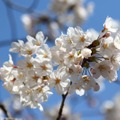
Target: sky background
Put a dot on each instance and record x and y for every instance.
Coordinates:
(103, 8)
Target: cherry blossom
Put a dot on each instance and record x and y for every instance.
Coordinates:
(74, 64)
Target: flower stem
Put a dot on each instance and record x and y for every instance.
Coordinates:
(62, 106)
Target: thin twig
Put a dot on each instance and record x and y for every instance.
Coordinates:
(62, 106)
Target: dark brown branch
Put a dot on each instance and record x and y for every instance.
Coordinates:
(2, 107)
(62, 106)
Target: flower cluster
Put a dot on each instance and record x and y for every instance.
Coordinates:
(30, 76)
(61, 14)
(72, 11)
(74, 64)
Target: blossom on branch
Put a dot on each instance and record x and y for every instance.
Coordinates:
(74, 64)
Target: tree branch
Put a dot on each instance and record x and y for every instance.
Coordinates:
(11, 19)
(62, 106)
(2, 107)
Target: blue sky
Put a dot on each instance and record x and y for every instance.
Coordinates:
(103, 8)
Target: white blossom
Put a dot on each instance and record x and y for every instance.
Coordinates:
(17, 46)
(39, 41)
(111, 25)
(115, 60)
(116, 42)
(107, 47)
(106, 69)
(86, 52)
(60, 81)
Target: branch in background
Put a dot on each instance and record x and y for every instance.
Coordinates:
(22, 8)
(11, 19)
(33, 5)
